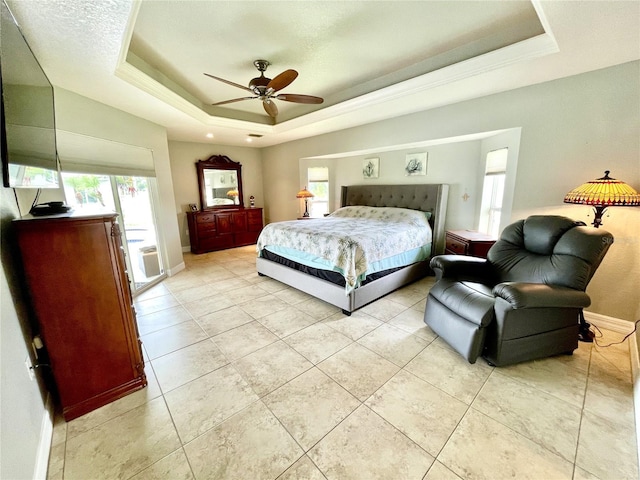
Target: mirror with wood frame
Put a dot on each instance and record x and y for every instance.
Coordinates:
(220, 183)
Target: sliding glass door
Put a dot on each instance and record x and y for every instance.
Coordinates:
(133, 199)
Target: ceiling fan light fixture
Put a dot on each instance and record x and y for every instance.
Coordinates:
(265, 89)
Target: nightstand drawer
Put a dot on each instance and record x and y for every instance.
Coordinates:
(468, 242)
(455, 246)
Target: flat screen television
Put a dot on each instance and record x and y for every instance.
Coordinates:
(29, 155)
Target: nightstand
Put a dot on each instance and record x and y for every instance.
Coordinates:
(468, 242)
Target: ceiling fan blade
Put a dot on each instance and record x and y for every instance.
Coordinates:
(282, 80)
(292, 97)
(234, 100)
(228, 82)
(270, 107)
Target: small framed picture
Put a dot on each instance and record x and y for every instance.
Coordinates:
(415, 164)
(370, 168)
(193, 207)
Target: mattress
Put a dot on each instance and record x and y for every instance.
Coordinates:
(354, 241)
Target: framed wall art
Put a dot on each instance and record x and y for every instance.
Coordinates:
(415, 164)
(370, 167)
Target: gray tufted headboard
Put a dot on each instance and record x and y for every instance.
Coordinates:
(426, 197)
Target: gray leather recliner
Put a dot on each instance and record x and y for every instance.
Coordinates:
(522, 302)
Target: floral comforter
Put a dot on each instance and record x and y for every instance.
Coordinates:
(352, 238)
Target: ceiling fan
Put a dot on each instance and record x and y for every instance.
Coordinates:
(265, 89)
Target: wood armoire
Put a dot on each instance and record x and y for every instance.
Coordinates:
(78, 286)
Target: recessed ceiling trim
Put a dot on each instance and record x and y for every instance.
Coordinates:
(135, 77)
(527, 49)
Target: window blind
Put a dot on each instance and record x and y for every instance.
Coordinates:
(85, 154)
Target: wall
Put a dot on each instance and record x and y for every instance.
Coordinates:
(458, 164)
(21, 400)
(184, 156)
(572, 130)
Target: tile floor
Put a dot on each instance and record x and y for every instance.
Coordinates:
(250, 379)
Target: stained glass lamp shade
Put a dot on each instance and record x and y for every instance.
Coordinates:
(306, 194)
(602, 193)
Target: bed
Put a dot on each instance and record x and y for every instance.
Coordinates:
(346, 285)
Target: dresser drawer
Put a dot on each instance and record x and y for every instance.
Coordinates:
(205, 218)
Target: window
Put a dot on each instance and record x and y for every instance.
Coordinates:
(318, 185)
(493, 191)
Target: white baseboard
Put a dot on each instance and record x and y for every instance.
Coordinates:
(609, 323)
(178, 268)
(44, 446)
(186, 249)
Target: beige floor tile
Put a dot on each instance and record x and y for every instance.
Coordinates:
(243, 294)
(310, 406)
(552, 376)
(412, 321)
(396, 345)
(292, 296)
(207, 401)
(410, 295)
(272, 286)
(353, 326)
(155, 304)
(317, 308)
(287, 321)
(124, 445)
(364, 446)
(384, 309)
(244, 340)
(114, 409)
(207, 305)
(157, 290)
(263, 306)
(164, 318)
(581, 474)
(55, 468)
(609, 392)
(303, 469)
(251, 445)
(549, 421)
(317, 342)
(174, 466)
(59, 434)
(224, 320)
(359, 370)
(482, 448)
(188, 363)
(185, 279)
(193, 294)
(271, 366)
(422, 412)
(172, 338)
(439, 472)
(451, 373)
(607, 449)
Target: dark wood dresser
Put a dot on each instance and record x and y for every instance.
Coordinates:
(219, 229)
(78, 287)
(468, 242)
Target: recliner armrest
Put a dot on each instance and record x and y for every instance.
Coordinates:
(540, 295)
(460, 266)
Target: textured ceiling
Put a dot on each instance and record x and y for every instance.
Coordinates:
(370, 60)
